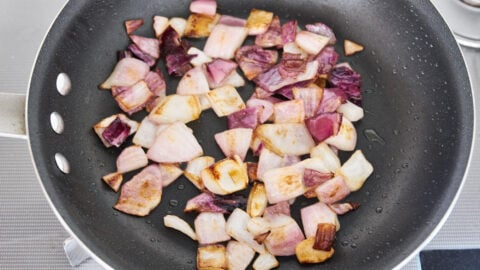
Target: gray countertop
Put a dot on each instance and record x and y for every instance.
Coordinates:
(30, 235)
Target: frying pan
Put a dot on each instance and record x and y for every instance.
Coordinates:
(417, 100)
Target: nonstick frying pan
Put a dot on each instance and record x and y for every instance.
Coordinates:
(417, 100)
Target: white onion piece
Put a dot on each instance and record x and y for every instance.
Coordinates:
(211, 257)
(226, 176)
(234, 79)
(258, 225)
(200, 58)
(180, 225)
(329, 158)
(313, 215)
(293, 48)
(237, 228)
(257, 200)
(225, 100)
(175, 144)
(234, 142)
(194, 82)
(127, 72)
(284, 183)
(205, 7)
(346, 138)
(239, 255)
(332, 190)
(224, 40)
(131, 158)
(178, 24)
(175, 108)
(286, 139)
(145, 135)
(310, 42)
(160, 23)
(291, 111)
(265, 261)
(258, 21)
(204, 102)
(170, 173)
(356, 170)
(210, 228)
(351, 111)
(194, 169)
(282, 240)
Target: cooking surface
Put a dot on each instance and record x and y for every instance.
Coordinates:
(32, 237)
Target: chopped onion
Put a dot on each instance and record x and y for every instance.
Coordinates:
(356, 170)
(205, 7)
(313, 215)
(286, 139)
(239, 255)
(225, 100)
(259, 21)
(211, 257)
(210, 228)
(131, 158)
(226, 176)
(113, 180)
(194, 82)
(170, 173)
(265, 261)
(176, 108)
(234, 142)
(194, 169)
(174, 222)
(311, 42)
(224, 40)
(132, 25)
(127, 72)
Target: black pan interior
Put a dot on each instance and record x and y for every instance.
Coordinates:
(417, 98)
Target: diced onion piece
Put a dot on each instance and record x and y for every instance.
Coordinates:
(113, 180)
(234, 142)
(237, 228)
(272, 37)
(226, 176)
(134, 98)
(293, 48)
(282, 240)
(265, 108)
(310, 42)
(150, 46)
(210, 228)
(101, 126)
(178, 24)
(131, 158)
(145, 135)
(160, 23)
(351, 111)
(313, 215)
(258, 21)
(194, 169)
(311, 97)
(343, 208)
(286, 139)
(224, 40)
(225, 100)
(332, 190)
(127, 72)
(180, 225)
(206, 7)
(312, 164)
(234, 79)
(351, 48)
(265, 261)
(194, 82)
(324, 237)
(142, 193)
(218, 70)
(291, 111)
(269, 160)
(307, 254)
(199, 25)
(170, 173)
(356, 170)
(346, 138)
(211, 257)
(283, 183)
(258, 225)
(132, 25)
(200, 58)
(272, 81)
(279, 209)
(175, 144)
(175, 108)
(329, 158)
(239, 255)
(204, 102)
(257, 200)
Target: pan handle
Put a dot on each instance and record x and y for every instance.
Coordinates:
(12, 115)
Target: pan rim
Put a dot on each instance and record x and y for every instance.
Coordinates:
(407, 259)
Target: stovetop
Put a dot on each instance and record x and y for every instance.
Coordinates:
(30, 235)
